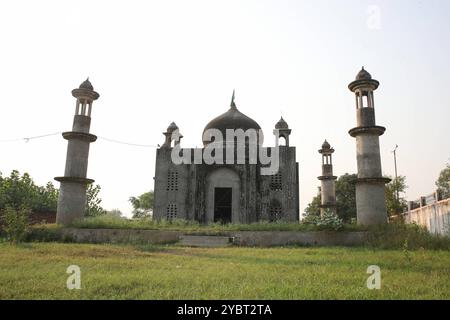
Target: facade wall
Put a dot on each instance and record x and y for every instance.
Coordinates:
(287, 196)
(171, 187)
(254, 198)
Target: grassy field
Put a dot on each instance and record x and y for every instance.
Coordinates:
(38, 271)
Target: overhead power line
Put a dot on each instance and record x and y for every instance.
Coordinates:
(26, 139)
(128, 143)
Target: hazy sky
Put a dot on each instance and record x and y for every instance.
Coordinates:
(154, 62)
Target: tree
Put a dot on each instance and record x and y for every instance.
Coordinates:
(394, 205)
(19, 191)
(443, 182)
(142, 205)
(346, 196)
(93, 201)
(313, 208)
(48, 196)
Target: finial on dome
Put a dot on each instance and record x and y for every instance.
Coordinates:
(232, 105)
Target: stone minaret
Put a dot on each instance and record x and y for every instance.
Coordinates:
(370, 190)
(328, 189)
(72, 193)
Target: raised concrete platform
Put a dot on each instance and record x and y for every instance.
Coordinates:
(238, 238)
(205, 241)
(119, 235)
(307, 238)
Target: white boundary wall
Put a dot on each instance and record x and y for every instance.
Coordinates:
(435, 217)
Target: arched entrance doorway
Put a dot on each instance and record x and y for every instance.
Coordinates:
(222, 196)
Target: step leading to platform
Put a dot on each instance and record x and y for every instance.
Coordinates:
(205, 241)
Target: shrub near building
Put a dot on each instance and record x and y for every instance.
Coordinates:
(20, 193)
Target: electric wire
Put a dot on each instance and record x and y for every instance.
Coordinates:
(27, 139)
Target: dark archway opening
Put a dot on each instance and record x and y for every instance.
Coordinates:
(222, 205)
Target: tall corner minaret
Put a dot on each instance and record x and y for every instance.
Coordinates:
(370, 185)
(327, 179)
(72, 192)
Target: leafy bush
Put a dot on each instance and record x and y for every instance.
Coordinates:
(329, 220)
(311, 220)
(15, 223)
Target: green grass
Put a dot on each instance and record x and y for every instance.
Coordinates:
(38, 271)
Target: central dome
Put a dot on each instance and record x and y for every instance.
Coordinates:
(232, 119)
